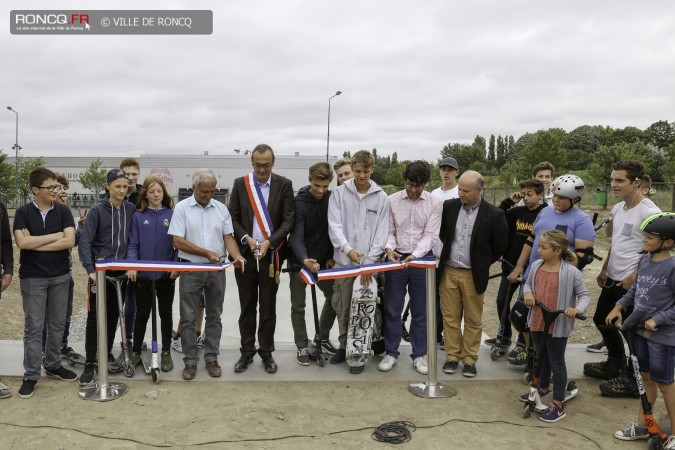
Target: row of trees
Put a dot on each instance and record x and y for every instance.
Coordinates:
(588, 151)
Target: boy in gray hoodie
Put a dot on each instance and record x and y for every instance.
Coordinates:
(358, 223)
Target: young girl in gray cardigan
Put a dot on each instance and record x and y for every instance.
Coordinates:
(556, 283)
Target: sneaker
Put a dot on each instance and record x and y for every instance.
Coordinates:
(469, 370)
(450, 367)
(632, 432)
(515, 351)
(387, 363)
(88, 373)
(200, 341)
(176, 345)
(135, 359)
(600, 347)
(339, 356)
(517, 356)
(554, 413)
(603, 370)
(27, 388)
(328, 346)
(506, 342)
(526, 396)
(303, 356)
(4, 391)
(420, 365)
(622, 386)
(68, 352)
(670, 443)
(62, 374)
(166, 363)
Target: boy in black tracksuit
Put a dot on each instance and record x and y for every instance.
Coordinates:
(521, 221)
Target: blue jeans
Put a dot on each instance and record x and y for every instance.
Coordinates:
(656, 359)
(555, 361)
(395, 284)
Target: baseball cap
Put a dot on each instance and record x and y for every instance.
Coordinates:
(114, 174)
(449, 161)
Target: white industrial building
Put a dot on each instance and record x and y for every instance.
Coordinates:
(176, 170)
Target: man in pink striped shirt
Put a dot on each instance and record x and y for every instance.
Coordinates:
(414, 224)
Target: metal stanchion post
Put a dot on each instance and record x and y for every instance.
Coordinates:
(102, 391)
(432, 388)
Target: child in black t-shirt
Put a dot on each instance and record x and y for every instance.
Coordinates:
(520, 220)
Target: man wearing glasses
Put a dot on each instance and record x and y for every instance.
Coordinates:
(263, 213)
(414, 223)
(44, 231)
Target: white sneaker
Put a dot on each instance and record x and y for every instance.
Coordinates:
(420, 365)
(387, 363)
(670, 443)
(177, 345)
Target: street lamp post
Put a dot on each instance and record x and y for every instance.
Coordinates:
(328, 137)
(16, 158)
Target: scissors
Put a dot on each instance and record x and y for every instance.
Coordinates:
(256, 254)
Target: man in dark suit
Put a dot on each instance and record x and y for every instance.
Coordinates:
(263, 211)
(473, 233)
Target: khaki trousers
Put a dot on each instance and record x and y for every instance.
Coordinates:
(459, 298)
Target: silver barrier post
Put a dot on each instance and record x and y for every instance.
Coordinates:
(102, 391)
(432, 388)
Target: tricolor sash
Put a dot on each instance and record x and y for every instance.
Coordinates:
(262, 217)
(307, 276)
(355, 271)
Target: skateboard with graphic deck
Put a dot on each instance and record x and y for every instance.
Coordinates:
(361, 321)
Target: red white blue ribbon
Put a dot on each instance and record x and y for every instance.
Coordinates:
(307, 276)
(355, 271)
(160, 266)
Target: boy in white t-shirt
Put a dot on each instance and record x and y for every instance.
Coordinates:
(618, 272)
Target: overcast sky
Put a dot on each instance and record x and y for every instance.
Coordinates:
(414, 76)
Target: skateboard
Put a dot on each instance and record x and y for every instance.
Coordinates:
(361, 320)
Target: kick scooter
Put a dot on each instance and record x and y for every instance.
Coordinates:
(151, 360)
(123, 363)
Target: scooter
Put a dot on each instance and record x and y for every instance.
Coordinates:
(499, 348)
(534, 402)
(149, 359)
(123, 362)
(656, 435)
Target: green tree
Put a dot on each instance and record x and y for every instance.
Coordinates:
(581, 144)
(7, 188)
(627, 135)
(501, 152)
(510, 148)
(661, 134)
(546, 145)
(492, 153)
(654, 159)
(26, 166)
(346, 154)
(94, 177)
(465, 154)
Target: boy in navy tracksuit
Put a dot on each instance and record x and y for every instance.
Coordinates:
(521, 221)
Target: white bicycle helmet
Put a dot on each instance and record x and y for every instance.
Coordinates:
(570, 186)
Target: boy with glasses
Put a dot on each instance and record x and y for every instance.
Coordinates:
(44, 231)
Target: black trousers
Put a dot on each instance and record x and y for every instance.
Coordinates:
(257, 288)
(164, 290)
(612, 336)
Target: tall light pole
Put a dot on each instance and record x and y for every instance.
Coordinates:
(328, 137)
(16, 153)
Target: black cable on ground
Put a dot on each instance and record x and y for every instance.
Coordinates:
(390, 432)
(394, 432)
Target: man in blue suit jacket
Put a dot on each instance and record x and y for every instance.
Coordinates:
(473, 233)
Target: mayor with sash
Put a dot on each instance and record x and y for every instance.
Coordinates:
(263, 212)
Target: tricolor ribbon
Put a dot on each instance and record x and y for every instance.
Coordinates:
(355, 271)
(161, 266)
(307, 276)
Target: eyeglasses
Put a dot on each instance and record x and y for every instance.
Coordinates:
(417, 187)
(262, 166)
(52, 188)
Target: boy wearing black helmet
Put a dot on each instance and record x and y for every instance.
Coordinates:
(652, 321)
